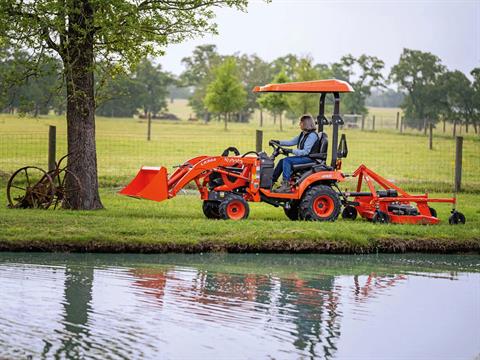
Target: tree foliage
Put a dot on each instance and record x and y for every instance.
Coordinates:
(226, 93)
(417, 73)
(305, 103)
(83, 33)
(276, 103)
(363, 73)
(198, 73)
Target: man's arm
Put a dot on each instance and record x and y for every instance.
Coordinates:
(307, 147)
(292, 142)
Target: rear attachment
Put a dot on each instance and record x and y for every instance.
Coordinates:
(391, 203)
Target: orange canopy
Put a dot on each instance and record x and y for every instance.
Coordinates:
(315, 86)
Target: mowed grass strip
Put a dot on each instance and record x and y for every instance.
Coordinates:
(131, 225)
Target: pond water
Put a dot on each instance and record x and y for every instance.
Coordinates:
(239, 306)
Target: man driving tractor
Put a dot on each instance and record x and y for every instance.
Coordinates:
(308, 142)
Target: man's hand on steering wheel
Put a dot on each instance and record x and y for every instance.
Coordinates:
(287, 151)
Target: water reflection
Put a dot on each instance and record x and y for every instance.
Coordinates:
(77, 307)
(252, 307)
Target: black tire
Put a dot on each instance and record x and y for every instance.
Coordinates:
(380, 217)
(456, 218)
(349, 212)
(233, 207)
(433, 212)
(211, 209)
(292, 212)
(319, 203)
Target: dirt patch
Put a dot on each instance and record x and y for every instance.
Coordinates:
(437, 246)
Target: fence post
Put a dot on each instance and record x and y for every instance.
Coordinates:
(373, 123)
(458, 162)
(398, 119)
(52, 147)
(258, 140)
(363, 122)
(261, 117)
(401, 124)
(149, 126)
(430, 136)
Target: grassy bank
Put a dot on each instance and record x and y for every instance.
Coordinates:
(129, 225)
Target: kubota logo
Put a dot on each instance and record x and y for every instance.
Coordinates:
(207, 161)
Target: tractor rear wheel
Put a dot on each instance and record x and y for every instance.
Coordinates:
(211, 209)
(292, 211)
(319, 203)
(233, 207)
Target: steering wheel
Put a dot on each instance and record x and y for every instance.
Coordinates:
(277, 149)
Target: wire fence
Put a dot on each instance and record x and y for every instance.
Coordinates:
(403, 158)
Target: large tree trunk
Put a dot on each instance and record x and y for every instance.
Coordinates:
(78, 63)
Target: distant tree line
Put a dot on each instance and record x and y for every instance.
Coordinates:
(141, 91)
(220, 87)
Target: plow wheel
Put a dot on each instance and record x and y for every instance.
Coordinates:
(292, 211)
(30, 187)
(320, 203)
(234, 207)
(456, 218)
(380, 217)
(66, 183)
(349, 212)
(211, 209)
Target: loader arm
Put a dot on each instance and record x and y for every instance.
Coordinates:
(155, 184)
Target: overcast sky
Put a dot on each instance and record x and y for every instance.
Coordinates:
(326, 30)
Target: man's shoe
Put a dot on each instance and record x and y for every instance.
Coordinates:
(284, 188)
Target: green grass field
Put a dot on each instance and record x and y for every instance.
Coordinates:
(135, 225)
(123, 149)
(179, 224)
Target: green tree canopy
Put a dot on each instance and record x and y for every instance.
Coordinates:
(83, 33)
(198, 73)
(276, 103)
(305, 103)
(364, 74)
(226, 93)
(458, 94)
(153, 83)
(417, 73)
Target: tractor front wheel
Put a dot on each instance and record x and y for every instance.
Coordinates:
(234, 207)
(320, 203)
(211, 209)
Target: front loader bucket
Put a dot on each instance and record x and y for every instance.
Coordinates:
(150, 183)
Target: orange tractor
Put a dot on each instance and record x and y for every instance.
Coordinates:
(228, 183)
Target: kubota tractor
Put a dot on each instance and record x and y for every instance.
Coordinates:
(228, 183)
